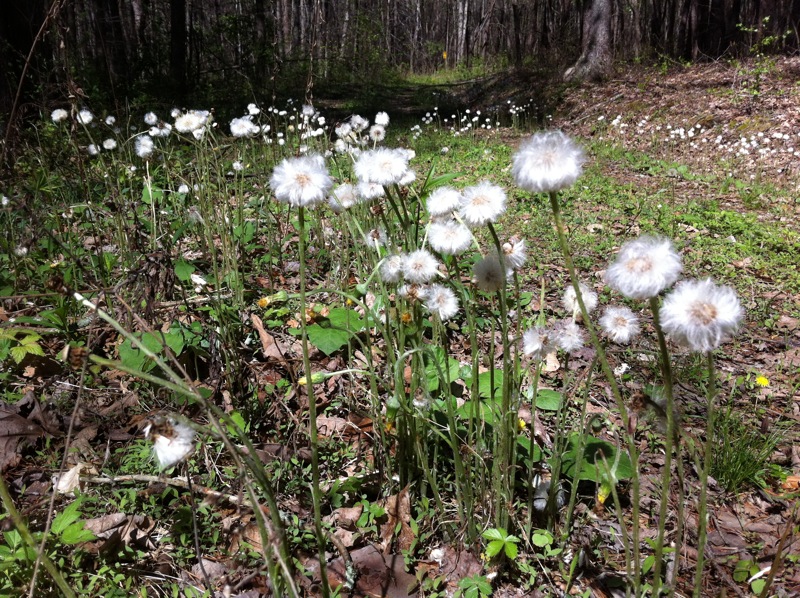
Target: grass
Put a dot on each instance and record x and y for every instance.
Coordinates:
(406, 398)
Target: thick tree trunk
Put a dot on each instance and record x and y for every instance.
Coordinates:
(595, 61)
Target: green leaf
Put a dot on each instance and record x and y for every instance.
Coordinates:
(548, 400)
(66, 517)
(327, 340)
(75, 534)
(495, 534)
(494, 548)
(184, 270)
(135, 358)
(542, 538)
(758, 586)
(593, 468)
(151, 194)
(511, 549)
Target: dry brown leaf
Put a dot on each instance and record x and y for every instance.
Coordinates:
(339, 427)
(16, 431)
(70, 480)
(269, 345)
(379, 576)
(398, 512)
(116, 530)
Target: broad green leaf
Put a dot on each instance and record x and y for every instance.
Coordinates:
(66, 517)
(134, 358)
(495, 534)
(542, 538)
(184, 270)
(593, 467)
(328, 340)
(494, 548)
(151, 194)
(74, 534)
(548, 400)
(511, 549)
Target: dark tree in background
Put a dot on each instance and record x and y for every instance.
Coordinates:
(595, 60)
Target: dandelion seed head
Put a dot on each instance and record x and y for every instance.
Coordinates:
(85, 117)
(620, 324)
(449, 238)
(381, 166)
(382, 119)
(515, 253)
(58, 115)
(377, 133)
(302, 181)
(150, 118)
(420, 267)
(144, 146)
(547, 161)
(700, 314)
(391, 269)
(172, 441)
(644, 267)
(537, 342)
(482, 203)
(568, 336)
(489, 273)
(109, 144)
(244, 127)
(443, 201)
(441, 301)
(570, 301)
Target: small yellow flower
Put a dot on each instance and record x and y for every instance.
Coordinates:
(762, 381)
(521, 424)
(406, 318)
(263, 302)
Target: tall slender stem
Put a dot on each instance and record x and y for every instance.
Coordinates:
(666, 477)
(312, 413)
(612, 382)
(702, 523)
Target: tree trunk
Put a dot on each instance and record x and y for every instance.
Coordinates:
(177, 43)
(595, 61)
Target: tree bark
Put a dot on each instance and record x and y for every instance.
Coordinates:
(177, 43)
(595, 61)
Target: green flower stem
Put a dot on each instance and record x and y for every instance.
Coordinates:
(22, 528)
(503, 466)
(612, 382)
(463, 483)
(666, 477)
(702, 533)
(316, 497)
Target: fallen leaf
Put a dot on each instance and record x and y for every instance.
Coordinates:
(70, 480)
(378, 576)
(15, 433)
(269, 345)
(398, 513)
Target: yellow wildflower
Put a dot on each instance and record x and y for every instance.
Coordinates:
(762, 381)
(263, 302)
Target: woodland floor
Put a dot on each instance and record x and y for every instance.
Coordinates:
(760, 525)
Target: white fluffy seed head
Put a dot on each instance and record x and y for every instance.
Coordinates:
(644, 267)
(620, 324)
(482, 203)
(547, 161)
(701, 315)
